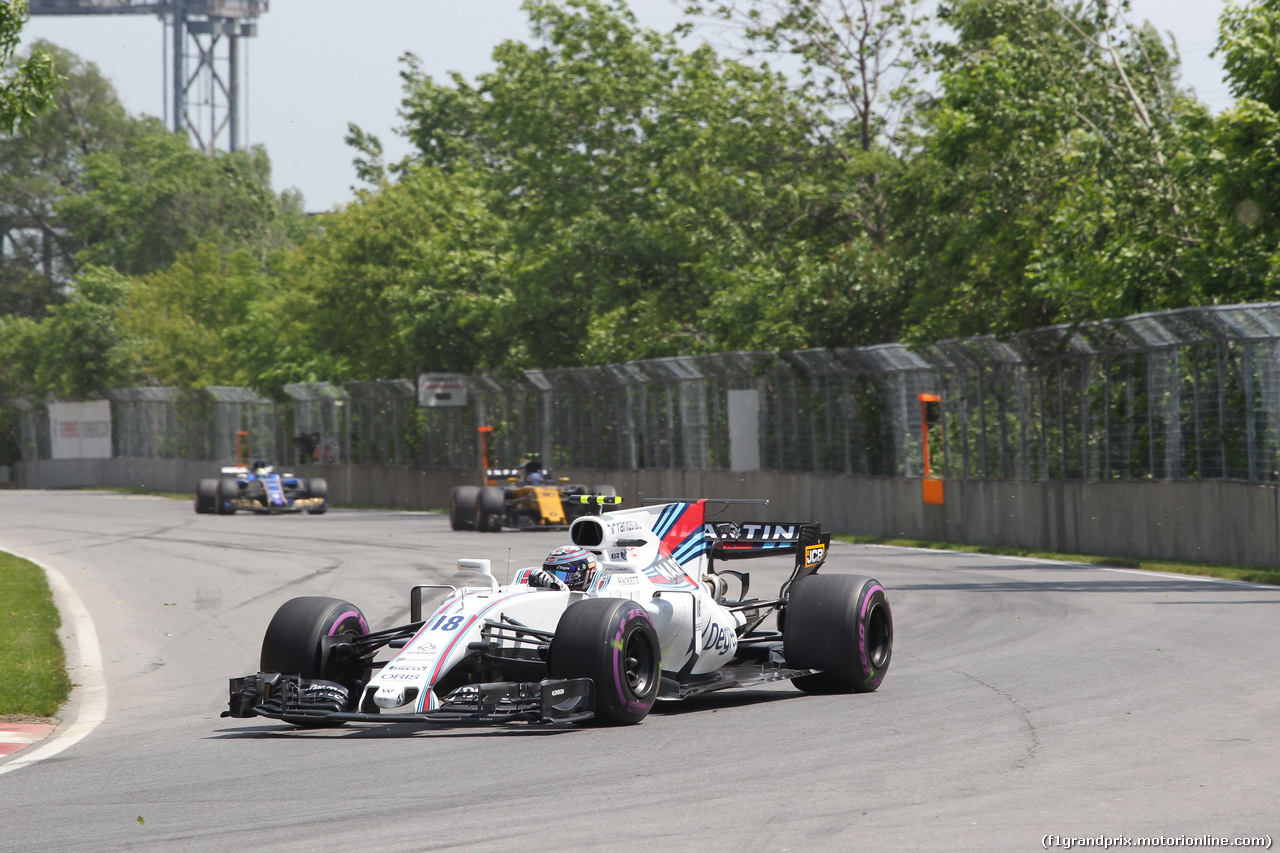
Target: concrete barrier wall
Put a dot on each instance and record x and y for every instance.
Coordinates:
(1214, 521)
(1202, 521)
(389, 485)
(157, 475)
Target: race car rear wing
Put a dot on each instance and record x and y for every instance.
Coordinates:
(729, 541)
(746, 541)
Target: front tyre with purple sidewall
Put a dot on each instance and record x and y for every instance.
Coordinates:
(842, 626)
(306, 637)
(613, 642)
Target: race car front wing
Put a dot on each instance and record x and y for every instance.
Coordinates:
(298, 505)
(294, 699)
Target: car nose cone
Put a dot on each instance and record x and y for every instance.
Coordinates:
(389, 697)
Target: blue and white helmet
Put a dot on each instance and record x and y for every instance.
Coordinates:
(571, 564)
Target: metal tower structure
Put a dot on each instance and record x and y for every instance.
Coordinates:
(202, 76)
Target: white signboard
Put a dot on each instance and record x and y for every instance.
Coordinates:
(744, 430)
(442, 389)
(80, 430)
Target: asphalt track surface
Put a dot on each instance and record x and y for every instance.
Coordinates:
(1024, 699)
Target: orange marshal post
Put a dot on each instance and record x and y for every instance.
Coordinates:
(931, 487)
(484, 452)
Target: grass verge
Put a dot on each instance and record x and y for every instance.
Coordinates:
(1251, 574)
(33, 668)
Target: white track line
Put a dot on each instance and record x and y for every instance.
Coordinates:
(85, 668)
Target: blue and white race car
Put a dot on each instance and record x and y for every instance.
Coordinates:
(640, 612)
(260, 489)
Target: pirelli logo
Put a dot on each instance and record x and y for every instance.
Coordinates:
(814, 554)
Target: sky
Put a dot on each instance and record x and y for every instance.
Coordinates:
(317, 65)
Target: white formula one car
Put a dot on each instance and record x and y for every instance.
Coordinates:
(654, 622)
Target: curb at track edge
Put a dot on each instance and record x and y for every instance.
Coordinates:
(89, 698)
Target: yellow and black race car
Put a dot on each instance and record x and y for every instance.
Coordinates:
(524, 498)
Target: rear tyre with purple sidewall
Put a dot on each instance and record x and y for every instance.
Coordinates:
(841, 625)
(613, 642)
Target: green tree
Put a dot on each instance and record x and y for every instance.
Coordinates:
(1248, 43)
(86, 183)
(862, 66)
(403, 279)
(76, 349)
(26, 88)
(1054, 181)
(656, 200)
(160, 197)
(42, 163)
(204, 320)
(1242, 160)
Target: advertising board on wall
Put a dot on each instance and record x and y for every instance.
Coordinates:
(442, 389)
(80, 430)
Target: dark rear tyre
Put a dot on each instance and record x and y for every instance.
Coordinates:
(612, 641)
(491, 508)
(842, 625)
(228, 490)
(318, 488)
(311, 636)
(207, 496)
(462, 507)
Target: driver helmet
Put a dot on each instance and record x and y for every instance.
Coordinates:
(260, 466)
(571, 564)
